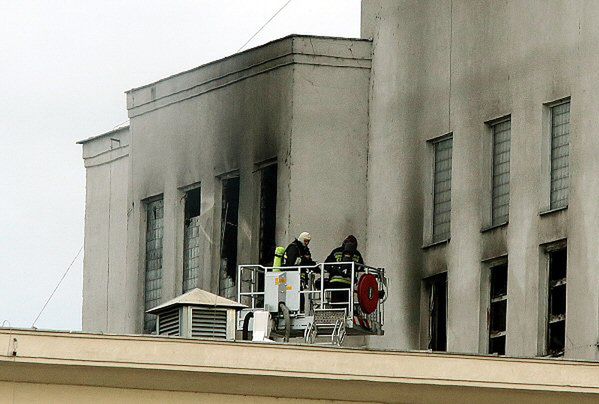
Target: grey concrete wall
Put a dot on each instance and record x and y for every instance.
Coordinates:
(195, 141)
(448, 67)
(106, 161)
(328, 161)
(300, 102)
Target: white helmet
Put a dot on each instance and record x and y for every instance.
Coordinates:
(304, 236)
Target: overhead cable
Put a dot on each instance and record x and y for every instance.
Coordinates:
(265, 24)
(56, 288)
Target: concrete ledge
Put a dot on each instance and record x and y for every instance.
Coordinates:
(277, 370)
(311, 50)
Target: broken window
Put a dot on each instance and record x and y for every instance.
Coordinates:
(498, 309)
(556, 321)
(191, 240)
(438, 312)
(228, 242)
(268, 214)
(153, 272)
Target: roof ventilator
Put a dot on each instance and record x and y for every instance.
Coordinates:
(197, 314)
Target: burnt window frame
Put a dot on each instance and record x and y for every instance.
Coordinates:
(497, 300)
(230, 270)
(436, 342)
(266, 251)
(556, 300)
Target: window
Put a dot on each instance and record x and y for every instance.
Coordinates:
(191, 240)
(438, 312)
(268, 214)
(560, 154)
(500, 195)
(498, 309)
(228, 240)
(153, 272)
(442, 190)
(556, 313)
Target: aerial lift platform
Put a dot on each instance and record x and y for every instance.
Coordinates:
(299, 302)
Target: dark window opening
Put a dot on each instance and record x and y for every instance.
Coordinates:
(556, 321)
(498, 314)
(191, 240)
(498, 309)
(557, 265)
(229, 226)
(497, 345)
(268, 214)
(557, 301)
(556, 338)
(499, 281)
(192, 203)
(438, 313)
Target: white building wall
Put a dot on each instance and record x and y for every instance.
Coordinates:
(448, 67)
(337, 128)
(300, 102)
(106, 161)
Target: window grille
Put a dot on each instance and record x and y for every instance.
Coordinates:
(442, 190)
(501, 172)
(153, 276)
(560, 154)
(191, 240)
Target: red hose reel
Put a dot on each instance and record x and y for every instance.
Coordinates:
(368, 293)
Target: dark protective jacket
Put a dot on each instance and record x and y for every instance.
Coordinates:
(342, 273)
(297, 254)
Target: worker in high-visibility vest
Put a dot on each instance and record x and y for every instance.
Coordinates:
(340, 275)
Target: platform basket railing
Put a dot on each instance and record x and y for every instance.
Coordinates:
(317, 292)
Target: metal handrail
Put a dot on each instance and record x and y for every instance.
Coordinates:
(317, 295)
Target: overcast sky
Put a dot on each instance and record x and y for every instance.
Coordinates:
(64, 67)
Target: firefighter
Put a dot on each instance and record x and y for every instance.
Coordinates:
(298, 253)
(340, 275)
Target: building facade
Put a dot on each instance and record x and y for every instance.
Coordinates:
(463, 131)
(219, 164)
(482, 133)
